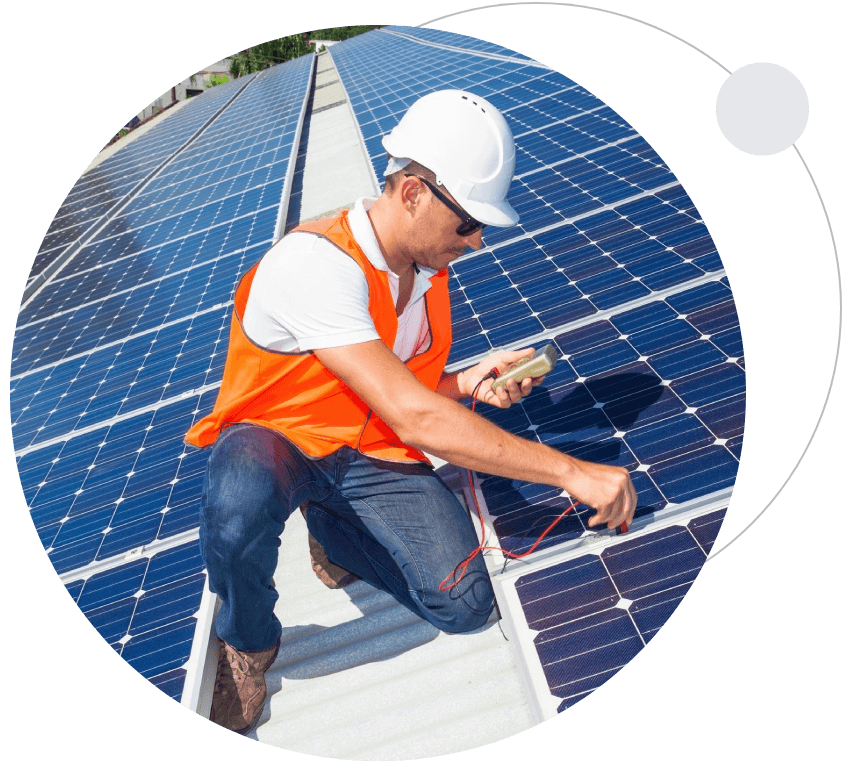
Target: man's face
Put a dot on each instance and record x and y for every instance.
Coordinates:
(435, 242)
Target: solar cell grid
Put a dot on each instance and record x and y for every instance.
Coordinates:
(148, 306)
(455, 40)
(218, 233)
(105, 185)
(122, 378)
(255, 170)
(560, 275)
(117, 487)
(134, 603)
(609, 400)
(593, 613)
(266, 111)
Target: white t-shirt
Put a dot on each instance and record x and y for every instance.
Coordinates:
(309, 294)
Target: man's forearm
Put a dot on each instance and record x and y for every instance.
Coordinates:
(463, 438)
(454, 433)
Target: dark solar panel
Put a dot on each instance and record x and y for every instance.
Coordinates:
(593, 613)
(611, 261)
(120, 353)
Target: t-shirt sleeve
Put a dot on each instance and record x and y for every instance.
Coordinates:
(308, 294)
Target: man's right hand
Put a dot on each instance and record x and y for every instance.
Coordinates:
(605, 488)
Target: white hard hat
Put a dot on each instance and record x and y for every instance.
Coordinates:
(467, 143)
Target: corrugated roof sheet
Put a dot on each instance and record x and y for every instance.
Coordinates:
(360, 677)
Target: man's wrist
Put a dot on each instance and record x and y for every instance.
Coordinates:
(449, 386)
(462, 378)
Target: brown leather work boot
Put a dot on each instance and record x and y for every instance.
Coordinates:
(240, 691)
(332, 575)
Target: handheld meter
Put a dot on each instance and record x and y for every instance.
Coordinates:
(539, 364)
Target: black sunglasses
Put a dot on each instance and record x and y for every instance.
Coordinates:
(469, 225)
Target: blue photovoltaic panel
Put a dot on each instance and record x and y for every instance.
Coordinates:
(163, 270)
(243, 155)
(121, 378)
(456, 41)
(121, 353)
(594, 613)
(569, 272)
(140, 607)
(105, 186)
(645, 390)
(612, 262)
(113, 489)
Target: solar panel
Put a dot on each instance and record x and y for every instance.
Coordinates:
(591, 612)
(108, 184)
(146, 610)
(612, 262)
(118, 354)
(628, 416)
(454, 40)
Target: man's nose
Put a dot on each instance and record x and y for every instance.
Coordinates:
(474, 240)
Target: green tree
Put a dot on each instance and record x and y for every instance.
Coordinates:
(267, 54)
(283, 49)
(216, 79)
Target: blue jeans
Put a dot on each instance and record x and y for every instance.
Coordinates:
(395, 525)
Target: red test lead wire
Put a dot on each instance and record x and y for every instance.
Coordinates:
(460, 570)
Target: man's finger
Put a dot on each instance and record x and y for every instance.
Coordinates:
(632, 505)
(502, 396)
(508, 357)
(601, 516)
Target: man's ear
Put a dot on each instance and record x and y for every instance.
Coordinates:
(410, 191)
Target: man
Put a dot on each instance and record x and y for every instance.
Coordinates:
(334, 389)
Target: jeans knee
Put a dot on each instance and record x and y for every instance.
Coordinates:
(463, 608)
(468, 620)
(239, 525)
(243, 492)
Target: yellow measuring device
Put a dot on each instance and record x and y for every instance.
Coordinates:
(534, 366)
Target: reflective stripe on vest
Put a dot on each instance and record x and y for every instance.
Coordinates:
(298, 396)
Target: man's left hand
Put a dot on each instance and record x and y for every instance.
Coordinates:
(506, 395)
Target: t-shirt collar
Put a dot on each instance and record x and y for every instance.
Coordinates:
(363, 232)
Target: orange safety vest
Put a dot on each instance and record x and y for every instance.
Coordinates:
(295, 394)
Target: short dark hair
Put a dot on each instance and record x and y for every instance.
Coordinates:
(391, 182)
